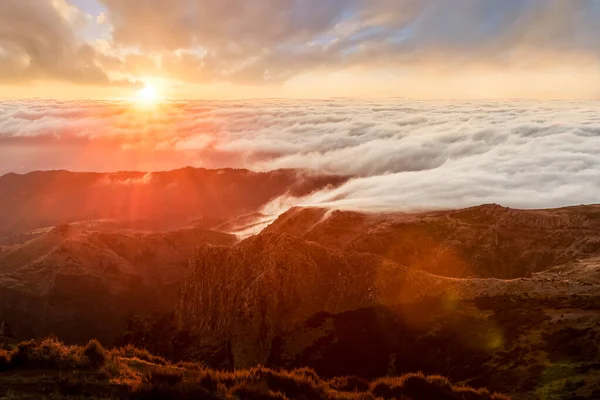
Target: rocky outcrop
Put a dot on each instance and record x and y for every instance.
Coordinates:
(485, 241)
(270, 283)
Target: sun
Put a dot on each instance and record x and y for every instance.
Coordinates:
(147, 96)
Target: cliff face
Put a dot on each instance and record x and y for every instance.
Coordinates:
(252, 292)
(312, 260)
(486, 241)
(80, 284)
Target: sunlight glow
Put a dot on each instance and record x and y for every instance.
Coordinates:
(147, 96)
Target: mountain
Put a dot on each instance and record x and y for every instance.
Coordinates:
(268, 284)
(308, 291)
(81, 284)
(463, 293)
(528, 348)
(488, 241)
(152, 200)
(250, 293)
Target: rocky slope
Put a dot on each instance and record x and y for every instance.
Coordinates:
(343, 292)
(252, 292)
(157, 200)
(526, 347)
(272, 281)
(486, 241)
(281, 301)
(249, 294)
(79, 284)
(327, 290)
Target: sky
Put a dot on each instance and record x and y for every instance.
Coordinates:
(199, 49)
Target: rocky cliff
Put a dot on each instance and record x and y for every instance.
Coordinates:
(252, 292)
(313, 260)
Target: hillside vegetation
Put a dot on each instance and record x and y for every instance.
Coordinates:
(50, 369)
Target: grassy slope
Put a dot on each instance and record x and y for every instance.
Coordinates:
(50, 369)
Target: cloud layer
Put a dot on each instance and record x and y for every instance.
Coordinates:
(405, 155)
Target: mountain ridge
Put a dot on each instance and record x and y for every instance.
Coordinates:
(56, 281)
(484, 241)
(172, 199)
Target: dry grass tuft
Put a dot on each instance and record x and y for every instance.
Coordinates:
(95, 353)
(435, 387)
(93, 370)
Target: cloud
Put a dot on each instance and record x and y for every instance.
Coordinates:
(101, 18)
(404, 155)
(38, 42)
(525, 45)
(276, 40)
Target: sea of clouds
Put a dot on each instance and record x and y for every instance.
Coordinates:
(403, 154)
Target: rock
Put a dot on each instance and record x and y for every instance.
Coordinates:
(252, 292)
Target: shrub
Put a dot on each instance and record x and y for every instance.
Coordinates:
(187, 381)
(469, 393)
(411, 385)
(295, 384)
(419, 387)
(113, 367)
(435, 387)
(95, 353)
(181, 391)
(350, 396)
(349, 384)
(208, 380)
(20, 356)
(4, 360)
(130, 351)
(71, 385)
(256, 393)
(46, 354)
(163, 377)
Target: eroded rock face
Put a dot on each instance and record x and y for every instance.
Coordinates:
(486, 241)
(252, 292)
